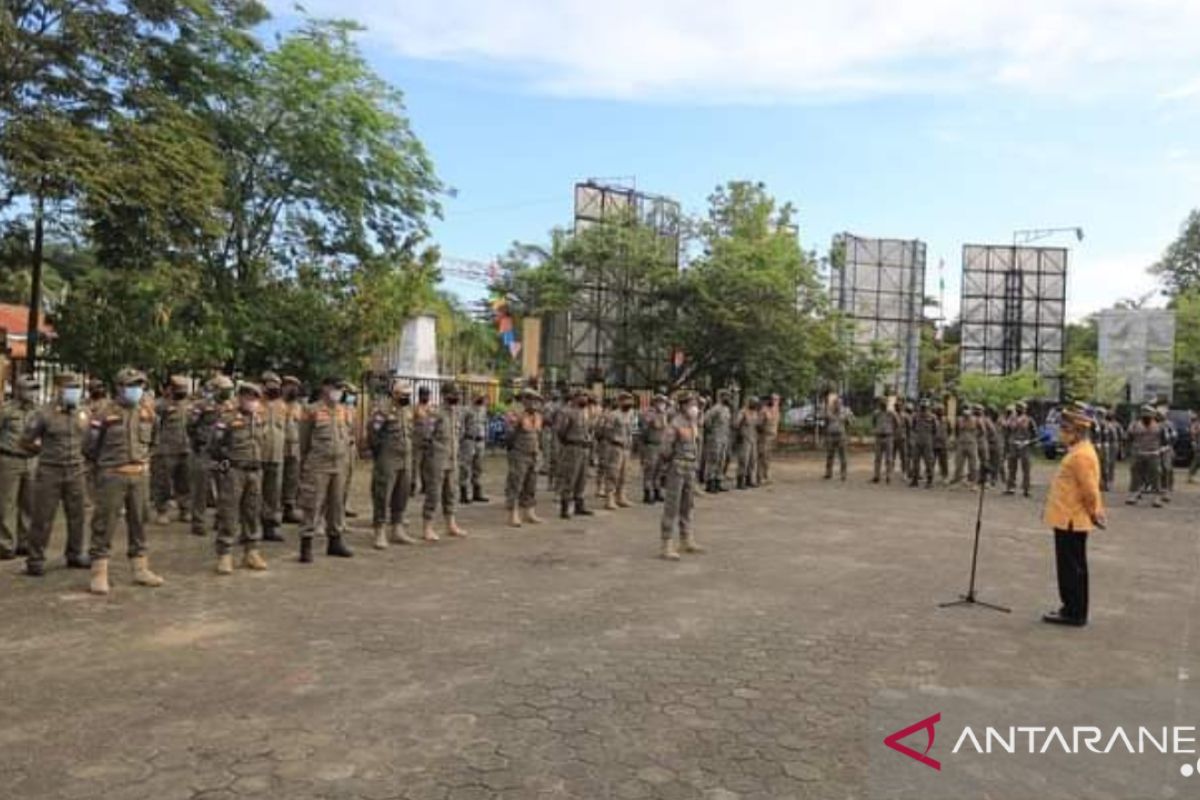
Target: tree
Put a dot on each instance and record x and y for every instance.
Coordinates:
(1179, 267)
(754, 306)
(1187, 349)
(1000, 390)
(869, 367)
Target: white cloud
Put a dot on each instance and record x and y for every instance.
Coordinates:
(1097, 283)
(771, 49)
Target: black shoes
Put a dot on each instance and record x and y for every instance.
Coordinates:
(336, 547)
(82, 561)
(582, 510)
(658, 496)
(1059, 618)
(7, 555)
(648, 497)
(464, 498)
(271, 533)
(306, 550)
(478, 496)
(564, 510)
(35, 570)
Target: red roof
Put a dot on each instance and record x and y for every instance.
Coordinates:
(15, 320)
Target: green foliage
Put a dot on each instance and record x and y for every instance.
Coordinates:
(1000, 391)
(1179, 267)
(869, 367)
(938, 363)
(1187, 349)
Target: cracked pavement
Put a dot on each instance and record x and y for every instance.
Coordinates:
(564, 660)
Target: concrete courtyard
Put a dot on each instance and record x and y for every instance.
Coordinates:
(565, 660)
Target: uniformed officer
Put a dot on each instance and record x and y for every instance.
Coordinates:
(596, 411)
(995, 442)
(56, 432)
(966, 443)
(421, 416)
(524, 443)
(1116, 435)
(120, 437)
(170, 469)
(1022, 433)
(97, 395)
(575, 443)
(1194, 433)
(680, 450)
(294, 404)
(746, 440)
(1145, 438)
(941, 442)
(902, 451)
(390, 437)
(236, 445)
(550, 441)
(203, 415)
(768, 435)
(1166, 456)
(274, 410)
(323, 450)
(16, 469)
(884, 422)
(616, 430)
(718, 422)
(439, 462)
(924, 428)
(350, 401)
(837, 431)
(471, 452)
(654, 423)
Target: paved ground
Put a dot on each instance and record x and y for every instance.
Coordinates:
(565, 661)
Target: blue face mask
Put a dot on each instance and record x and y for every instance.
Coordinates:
(350, 399)
(71, 396)
(132, 394)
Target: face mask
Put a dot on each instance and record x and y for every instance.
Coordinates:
(451, 401)
(291, 393)
(626, 407)
(406, 401)
(132, 394)
(350, 399)
(71, 396)
(273, 393)
(335, 396)
(693, 412)
(250, 406)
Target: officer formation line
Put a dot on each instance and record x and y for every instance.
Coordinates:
(264, 455)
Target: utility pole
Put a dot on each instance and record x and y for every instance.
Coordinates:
(35, 289)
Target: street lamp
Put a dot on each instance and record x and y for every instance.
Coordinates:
(1034, 234)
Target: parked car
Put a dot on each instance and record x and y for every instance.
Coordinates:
(1052, 448)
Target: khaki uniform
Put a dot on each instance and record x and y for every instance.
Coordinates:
(768, 434)
(236, 445)
(524, 446)
(16, 476)
(966, 435)
(717, 433)
(1022, 433)
(941, 445)
(119, 442)
(390, 437)
(204, 414)
(574, 436)
(924, 428)
(616, 431)
(170, 466)
(836, 434)
(439, 459)
(291, 458)
(471, 452)
(275, 424)
(323, 450)
(885, 424)
(746, 433)
(58, 433)
(680, 451)
(654, 426)
(351, 423)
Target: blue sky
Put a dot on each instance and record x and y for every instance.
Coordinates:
(948, 122)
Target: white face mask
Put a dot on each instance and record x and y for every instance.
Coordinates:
(693, 412)
(335, 396)
(251, 406)
(71, 396)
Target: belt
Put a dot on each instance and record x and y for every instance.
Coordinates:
(14, 454)
(246, 466)
(127, 469)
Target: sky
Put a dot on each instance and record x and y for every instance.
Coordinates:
(947, 121)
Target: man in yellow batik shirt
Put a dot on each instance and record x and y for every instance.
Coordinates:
(1074, 507)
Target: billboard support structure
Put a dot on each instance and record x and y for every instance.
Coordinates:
(880, 286)
(1014, 311)
(1138, 346)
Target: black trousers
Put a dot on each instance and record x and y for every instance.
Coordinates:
(1070, 553)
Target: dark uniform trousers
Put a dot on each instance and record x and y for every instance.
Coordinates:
(171, 478)
(316, 500)
(291, 483)
(1070, 554)
(390, 484)
(53, 484)
(118, 489)
(573, 465)
(272, 492)
(16, 500)
(239, 493)
(440, 483)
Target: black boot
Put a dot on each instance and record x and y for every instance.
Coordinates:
(290, 517)
(582, 510)
(337, 547)
(741, 482)
(271, 532)
(721, 487)
(306, 550)
(464, 497)
(710, 486)
(564, 509)
(81, 561)
(647, 497)
(658, 495)
(478, 495)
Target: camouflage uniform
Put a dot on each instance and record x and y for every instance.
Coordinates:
(654, 424)
(574, 435)
(717, 430)
(439, 462)
(884, 422)
(291, 448)
(1022, 433)
(924, 427)
(203, 416)
(768, 434)
(471, 454)
(837, 423)
(966, 437)
(746, 434)
(323, 450)
(680, 451)
(276, 422)
(1145, 438)
(616, 431)
(524, 443)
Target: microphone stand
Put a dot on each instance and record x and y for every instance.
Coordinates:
(969, 599)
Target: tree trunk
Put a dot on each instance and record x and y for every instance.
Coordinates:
(35, 289)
